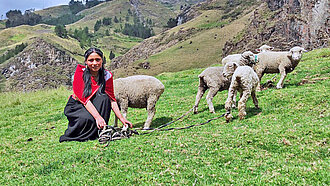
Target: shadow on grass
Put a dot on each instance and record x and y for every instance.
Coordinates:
(155, 123)
(250, 112)
(217, 108)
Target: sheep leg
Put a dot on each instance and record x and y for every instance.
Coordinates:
(254, 98)
(229, 101)
(151, 110)
(212, 92)
(234, 100)
(242, 104)
(200, 93)
(123, 110)
(283, 75)
(260, 74)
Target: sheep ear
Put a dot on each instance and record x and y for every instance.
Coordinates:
(271, 48)
(258, 50)
(304, 50)
(290, 54)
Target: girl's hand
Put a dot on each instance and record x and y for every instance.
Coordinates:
(126, 122)
(100, 123)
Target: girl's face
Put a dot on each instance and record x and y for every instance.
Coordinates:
(94, 62)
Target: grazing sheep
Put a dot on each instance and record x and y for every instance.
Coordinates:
(138, 91)
(278, 62)
(237, 57)
(246, 58)
(264, 48)
(244, 80)
(212, 78)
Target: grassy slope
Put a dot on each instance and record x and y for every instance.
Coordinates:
(151, 10)
(10, 37)
(285, 142)
(54, 12)
(205, 48)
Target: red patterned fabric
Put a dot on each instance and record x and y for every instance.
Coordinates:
(78, 85)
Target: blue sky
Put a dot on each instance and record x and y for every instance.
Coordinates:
(22, 5)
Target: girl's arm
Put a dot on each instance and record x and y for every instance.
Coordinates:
(100, 122)
(116, 110)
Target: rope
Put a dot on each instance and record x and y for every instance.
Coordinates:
(187, 127)
(168, 123)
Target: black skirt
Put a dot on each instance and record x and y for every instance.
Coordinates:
(82, 125)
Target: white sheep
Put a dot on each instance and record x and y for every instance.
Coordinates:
(246, 58)
(278, 62)
(138, 91)
(212, 78)
(237, 58)
(245, 81)
(264, 48)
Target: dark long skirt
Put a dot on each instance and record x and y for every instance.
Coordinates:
(82, 125)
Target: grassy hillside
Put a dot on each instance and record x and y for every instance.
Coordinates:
(157, 12)
(53, 12)
(200, 49)
(286, 141)
(11, 37)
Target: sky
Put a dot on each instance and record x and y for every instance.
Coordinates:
(22, 5)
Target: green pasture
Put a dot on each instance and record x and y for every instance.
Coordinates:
(285, 142)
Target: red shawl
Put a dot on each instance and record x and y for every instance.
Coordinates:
(78, 85)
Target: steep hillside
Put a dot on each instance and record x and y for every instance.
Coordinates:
(284, 24)
(145, 9)
(11, 37)
(40, 65)
(196, 43)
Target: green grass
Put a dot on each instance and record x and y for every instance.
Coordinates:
(18, 37)
(286, 141)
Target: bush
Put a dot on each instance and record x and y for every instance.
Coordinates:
(60, 31)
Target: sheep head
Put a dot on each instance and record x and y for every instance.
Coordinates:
(295, 53)
(229, 69)
(264, 48)
(248, 58)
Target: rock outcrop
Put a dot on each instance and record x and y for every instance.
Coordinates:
(38, 66)
(284, 24)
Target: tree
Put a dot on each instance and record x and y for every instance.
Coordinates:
(107, 33)
(107, 21)
(115, 19)
(76, 6)
(112, 55)
(97, 25)
(60, 31)
(172, 22)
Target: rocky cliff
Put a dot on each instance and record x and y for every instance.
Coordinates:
(284, 24)
(40, 65)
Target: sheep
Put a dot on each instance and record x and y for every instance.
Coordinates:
(138, 91)
(246, 58)
(212, 78)
(264, 48)
(244, 80)
(237, 57)
(278, 62)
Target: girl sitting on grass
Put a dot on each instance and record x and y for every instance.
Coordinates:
(88, 108)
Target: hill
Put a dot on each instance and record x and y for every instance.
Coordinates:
(219, 28)
(196, 43)
(53, 12)
(286, 141)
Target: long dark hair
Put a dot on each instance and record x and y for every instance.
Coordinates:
(87, 75)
